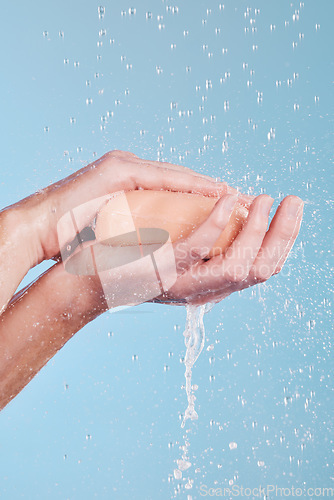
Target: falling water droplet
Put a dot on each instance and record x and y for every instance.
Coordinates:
(101, 11)
(177, 474)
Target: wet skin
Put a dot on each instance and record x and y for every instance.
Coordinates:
(36, 322)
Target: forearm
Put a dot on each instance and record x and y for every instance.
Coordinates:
(38, 322)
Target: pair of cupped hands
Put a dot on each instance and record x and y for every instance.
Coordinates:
(38, 320)
(29, 234)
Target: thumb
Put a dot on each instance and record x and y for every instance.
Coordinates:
(197, 245)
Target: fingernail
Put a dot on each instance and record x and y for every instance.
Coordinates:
(230, 202)
(265, 205)
(293, 207)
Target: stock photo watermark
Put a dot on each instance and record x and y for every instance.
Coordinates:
(137, 265)
(268, 491)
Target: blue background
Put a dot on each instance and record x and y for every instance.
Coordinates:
(94, 423)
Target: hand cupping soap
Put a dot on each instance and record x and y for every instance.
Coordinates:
(177, 213)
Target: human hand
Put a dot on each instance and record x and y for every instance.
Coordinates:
(255, 255)
(42, 317)
(29, 228)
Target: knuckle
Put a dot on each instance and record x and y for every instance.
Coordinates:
(115, 153)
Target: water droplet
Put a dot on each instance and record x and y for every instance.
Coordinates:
(295, 16)
(208, 84)
(183, 464)
(224, 146)
(101, 11)
(177, 474)
(189, 484)
(271, 134)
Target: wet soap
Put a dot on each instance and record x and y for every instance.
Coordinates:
(177, 213)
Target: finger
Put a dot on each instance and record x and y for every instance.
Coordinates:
(290, 244)
(150, 176)
(240, 256)
(180, 168)
(197, 245)
(279, 239)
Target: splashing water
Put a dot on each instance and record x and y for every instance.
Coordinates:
(194, 338)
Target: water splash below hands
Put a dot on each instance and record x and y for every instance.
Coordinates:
(194, 339)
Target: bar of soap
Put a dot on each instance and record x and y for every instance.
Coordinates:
(120, 220)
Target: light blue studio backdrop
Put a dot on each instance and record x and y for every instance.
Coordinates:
(240, 90)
